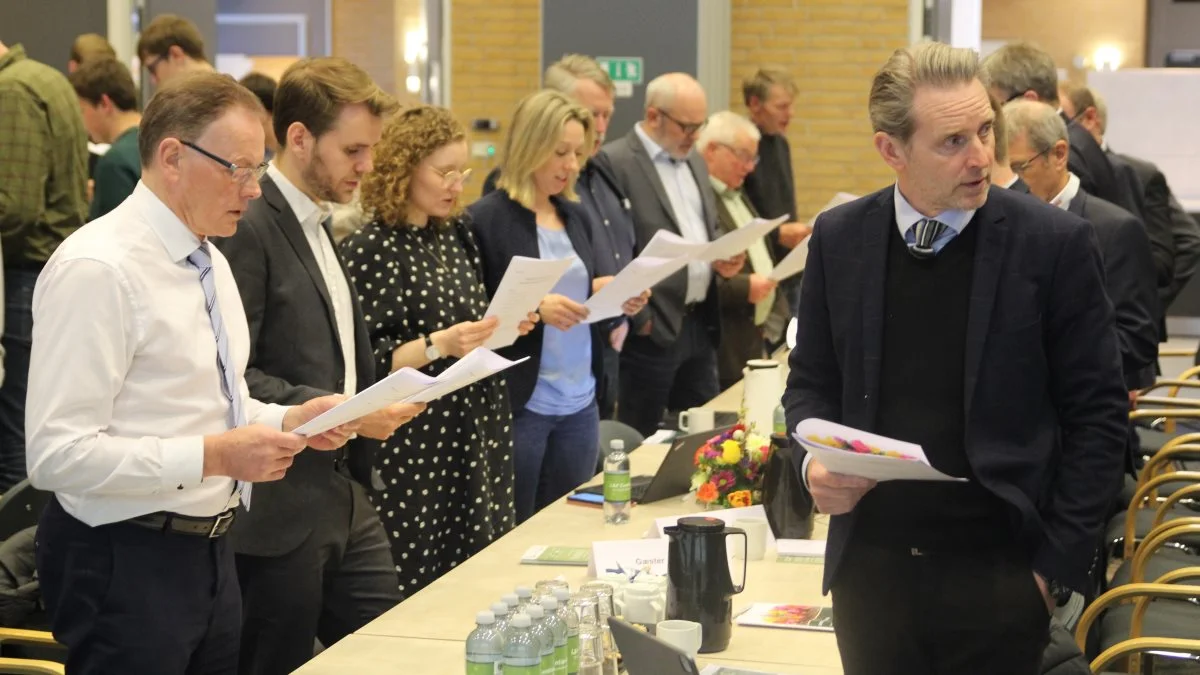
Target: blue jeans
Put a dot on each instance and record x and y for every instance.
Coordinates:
(18, 337)
(554, 455)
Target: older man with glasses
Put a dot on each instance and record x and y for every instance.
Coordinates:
(670, 359)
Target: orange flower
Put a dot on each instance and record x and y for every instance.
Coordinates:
(698, 456)
(739, 498)
(707, 493)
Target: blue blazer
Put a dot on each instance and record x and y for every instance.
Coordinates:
(1046, 407)
(505, 228)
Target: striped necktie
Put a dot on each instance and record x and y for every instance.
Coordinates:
(925, 232)
(201, 259)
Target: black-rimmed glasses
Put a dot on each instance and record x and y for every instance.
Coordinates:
(241, 174)
(686, 128)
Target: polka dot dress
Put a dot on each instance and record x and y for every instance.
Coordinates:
(448, 474)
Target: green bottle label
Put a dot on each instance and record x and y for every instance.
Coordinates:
(481, 668)
(617, 486)
(560, 660)
(573, 654)
(548, 664)
(523, 670)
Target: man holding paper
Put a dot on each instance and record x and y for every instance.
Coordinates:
(974, 323)
(314, 552)
(670, 357)
(754, 312)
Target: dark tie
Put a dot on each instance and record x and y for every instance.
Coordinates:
(925, 232)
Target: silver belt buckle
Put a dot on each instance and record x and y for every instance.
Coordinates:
(221, 519)
(916, 551)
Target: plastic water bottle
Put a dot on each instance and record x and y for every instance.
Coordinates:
(512, 601)
(617, 488)
(571, 621)
(524, 596)
(485, 645)
(537, 626)
(559, 628)
(500, 611)
(523, 651)
(779, 422)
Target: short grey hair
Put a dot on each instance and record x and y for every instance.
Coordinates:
(724, 127)
(565, 72)
(1020, 67)
(927, 64)
(1040, 122)
(660, 93)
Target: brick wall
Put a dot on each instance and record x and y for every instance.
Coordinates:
(495, 56)
(832, 48)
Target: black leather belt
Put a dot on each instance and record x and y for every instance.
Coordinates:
(211, 527)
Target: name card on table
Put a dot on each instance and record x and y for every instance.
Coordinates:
(630, 558)
(804, 551)
(730, 516)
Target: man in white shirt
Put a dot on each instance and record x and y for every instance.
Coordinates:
(313, 557)
(144, 428)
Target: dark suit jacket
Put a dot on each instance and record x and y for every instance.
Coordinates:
(1046, 409)
(1088, 161)
(1174, 234)
(639, 180)
(505, 229)
(1020, 186)
(741, 340)
(295, 355)
(1129, 280)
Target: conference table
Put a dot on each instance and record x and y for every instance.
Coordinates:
(426, 633)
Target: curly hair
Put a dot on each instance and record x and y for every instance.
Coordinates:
(408, 138)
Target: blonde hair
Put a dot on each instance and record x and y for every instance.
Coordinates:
(537, 126)
(408, 139)
(928, 64)
(759, 85)
(565, 72)
(313, 92)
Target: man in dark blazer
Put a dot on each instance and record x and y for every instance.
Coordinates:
(670, 358)
(972, 321)
(312, 555)
(1021, 70)
(1038, 142)
(754, 309)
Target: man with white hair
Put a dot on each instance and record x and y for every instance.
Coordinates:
(754, 312)
(670, 360)
(1038, 149)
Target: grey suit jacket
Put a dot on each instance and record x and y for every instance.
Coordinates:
(295, 355)
(639, 180)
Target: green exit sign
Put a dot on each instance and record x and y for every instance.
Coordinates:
(623, 68)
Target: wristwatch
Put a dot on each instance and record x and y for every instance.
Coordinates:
(431, 351)
(1058, 592)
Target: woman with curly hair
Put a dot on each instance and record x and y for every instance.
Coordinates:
(448, 480)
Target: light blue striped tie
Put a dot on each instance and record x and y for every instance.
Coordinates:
(201, 259)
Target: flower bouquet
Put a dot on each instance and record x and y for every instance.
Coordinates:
(729, 468)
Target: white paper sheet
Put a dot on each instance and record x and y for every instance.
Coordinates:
(800, 547)
(667, 244)
(640, 274)
(792, 264)
(525, 283)
(408, 385)
(913, 466)
(732, 243)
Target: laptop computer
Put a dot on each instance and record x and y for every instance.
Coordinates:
(644, 654)
(674, 475)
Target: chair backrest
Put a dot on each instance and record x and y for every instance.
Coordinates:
(611, 430)
(21, 507)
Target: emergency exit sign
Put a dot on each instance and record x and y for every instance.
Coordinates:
(623, 68)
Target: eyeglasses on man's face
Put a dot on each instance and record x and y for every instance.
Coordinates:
(452, 177)
(688, 129)
(240, 174)
(1020, 168)
(741, 155)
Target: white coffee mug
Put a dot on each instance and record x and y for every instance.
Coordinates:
(695, 420)
(686, 635)
(756, 537)
(644, 603)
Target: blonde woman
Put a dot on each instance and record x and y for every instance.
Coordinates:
(534, 213)
(448, 477)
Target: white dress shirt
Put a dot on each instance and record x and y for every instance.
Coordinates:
(310, 214)
(123, 377)
(1063, 199)
(684, 194)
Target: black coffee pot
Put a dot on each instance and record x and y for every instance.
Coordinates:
(699, 587)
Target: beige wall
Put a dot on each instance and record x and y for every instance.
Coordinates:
(371, 34)
(1070, 28)
(832, 48)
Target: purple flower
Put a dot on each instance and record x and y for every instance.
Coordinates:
(724, 479)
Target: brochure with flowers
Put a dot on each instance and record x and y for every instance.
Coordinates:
(796, 617)
(845, 450)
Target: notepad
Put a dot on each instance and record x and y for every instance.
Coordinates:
(795, 617)
(571, 556)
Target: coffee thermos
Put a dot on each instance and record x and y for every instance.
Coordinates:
(699, 586)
